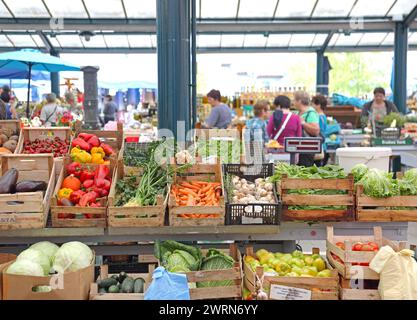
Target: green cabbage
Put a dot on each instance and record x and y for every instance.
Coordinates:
(216, 260)
(379, 184)
(26, 268)
(37, 257)
(47, 248)
(163, 250)
(179, 259)
(359, 171)
(408, 184)
(72, 256)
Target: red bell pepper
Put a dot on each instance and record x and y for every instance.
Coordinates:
(76, 196)
(95, 205)
(78, 142)
(85, 136)
(94, 141)
(88, 198)
(74, 168)
(100, 175)
(107, 185)
(88, 183)
(86, 175)
(107, 149)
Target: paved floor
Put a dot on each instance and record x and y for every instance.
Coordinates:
(308, 245)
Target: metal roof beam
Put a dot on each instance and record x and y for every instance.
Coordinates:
(410, 17)
(46, 42)
(327, 41)
(204, 26)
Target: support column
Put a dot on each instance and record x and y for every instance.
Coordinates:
(55, 77)
(400, 66)
(90, 97)
(174, 58)
(320, 71)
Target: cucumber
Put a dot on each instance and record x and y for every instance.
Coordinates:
(114, 289)
(102, 290)
(115, 277)
(138, 286)
(127, 285)
(106, 283)
(122, 276)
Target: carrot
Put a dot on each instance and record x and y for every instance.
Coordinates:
(190, 186)
(206, 189)
(188, 192)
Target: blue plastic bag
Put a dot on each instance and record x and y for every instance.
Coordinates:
(168, 286)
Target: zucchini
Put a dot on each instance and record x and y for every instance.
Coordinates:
(113, 289)
(122, 276)
(115, 277)
(127, 285)
(106, 283)
(138, 286)
(102, 290)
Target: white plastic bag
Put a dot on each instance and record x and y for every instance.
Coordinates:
(398, 274)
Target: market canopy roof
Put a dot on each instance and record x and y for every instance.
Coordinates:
(129, 25)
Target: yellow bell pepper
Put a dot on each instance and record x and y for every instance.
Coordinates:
(98, 150)
(97, 158)
(75, 150)
(64, 193)
(81, 157)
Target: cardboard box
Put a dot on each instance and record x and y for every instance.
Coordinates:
(5, 258)
(73, 286)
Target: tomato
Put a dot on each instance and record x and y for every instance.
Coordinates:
(367, 247)
(373, 245)
(341, 245)
(357, 246)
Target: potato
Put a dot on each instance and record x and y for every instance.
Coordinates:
(11, 145)
(3, 138)
(16, 138)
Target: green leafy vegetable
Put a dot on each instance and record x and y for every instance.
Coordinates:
(359, 171)
(379, 184)
(389, 118)
(216, 260)
(163, 250)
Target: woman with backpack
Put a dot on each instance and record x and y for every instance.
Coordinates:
(50, 111)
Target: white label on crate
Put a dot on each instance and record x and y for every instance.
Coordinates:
(248, 220)
(278, 292)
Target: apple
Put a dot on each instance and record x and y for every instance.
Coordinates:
(319, 264)
(266, 258)
(297, 254)
(278, 255)
(260, 253)
(297, 262)
(316, 256)
(283, 267)
(286, 257)
(292, 274)
(297, 270)
(308, 260)
(326, 273)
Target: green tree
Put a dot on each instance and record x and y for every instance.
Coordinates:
(356, 73)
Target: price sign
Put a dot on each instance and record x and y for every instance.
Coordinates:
(303, 145)
(279, 292)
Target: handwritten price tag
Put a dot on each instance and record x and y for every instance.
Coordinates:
(278, 292)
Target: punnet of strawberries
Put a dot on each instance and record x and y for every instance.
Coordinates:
(56, 146)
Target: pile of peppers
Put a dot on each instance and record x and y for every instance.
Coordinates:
(95, 184)
(87, 148)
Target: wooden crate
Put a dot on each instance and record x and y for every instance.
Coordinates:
(27, 210)
(204, 172)
(383, 209)
(349, 257)
(5, 258)
(148, 216)
(288, 199)
(321, 288)
(99, 218)
(15, 125)
(113, 138)
(42, 133)
(223, 292)
(368, 290)
(104, 274)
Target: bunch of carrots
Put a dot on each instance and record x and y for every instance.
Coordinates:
(197, 193)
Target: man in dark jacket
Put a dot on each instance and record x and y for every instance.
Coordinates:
(378, 107)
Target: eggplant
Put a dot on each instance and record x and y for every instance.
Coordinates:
(8, 181)
(31, 186)
(66, 203)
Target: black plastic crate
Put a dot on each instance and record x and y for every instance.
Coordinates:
(252, 213)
